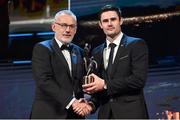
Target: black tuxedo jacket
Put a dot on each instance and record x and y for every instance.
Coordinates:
(124, 94)
(54, 82)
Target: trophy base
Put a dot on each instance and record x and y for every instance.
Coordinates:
(87, 80)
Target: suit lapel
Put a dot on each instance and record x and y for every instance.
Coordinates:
(74, 60)
(119, 52)
(61, 56)
(99, 57)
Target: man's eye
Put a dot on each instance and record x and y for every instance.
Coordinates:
(113, 19)
(63, 25)
(105, 20)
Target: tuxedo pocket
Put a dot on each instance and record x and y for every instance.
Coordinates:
(123, 57)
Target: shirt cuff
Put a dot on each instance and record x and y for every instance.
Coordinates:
(71, 102)
(105, 86)
(93, 107)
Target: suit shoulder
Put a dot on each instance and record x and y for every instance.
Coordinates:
(46, 44)
(136, 43)
(133, 40)
(76, 46)
(98, 48)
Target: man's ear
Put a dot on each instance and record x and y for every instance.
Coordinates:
(100, 25)
(121, 21)
(53, 27)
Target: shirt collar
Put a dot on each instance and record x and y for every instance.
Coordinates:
(58, 42)
(116, 41)
(70, 46)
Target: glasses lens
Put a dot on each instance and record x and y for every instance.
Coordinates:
(64, 25)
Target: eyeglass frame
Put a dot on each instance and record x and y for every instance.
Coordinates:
(64, 25)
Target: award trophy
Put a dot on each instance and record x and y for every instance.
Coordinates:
(90, 65)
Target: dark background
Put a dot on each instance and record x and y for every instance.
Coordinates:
(160, 32)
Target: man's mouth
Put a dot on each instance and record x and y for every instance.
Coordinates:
(110, 28)
(67, 35)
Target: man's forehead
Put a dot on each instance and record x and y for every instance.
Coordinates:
(109, 14)
(66, 18)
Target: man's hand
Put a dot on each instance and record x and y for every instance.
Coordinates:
(81, 107)
(97, 85)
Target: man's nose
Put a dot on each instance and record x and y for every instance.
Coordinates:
(68, 29)
(109, 22)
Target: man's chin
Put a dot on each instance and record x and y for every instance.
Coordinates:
(111, 35)
(67, 40)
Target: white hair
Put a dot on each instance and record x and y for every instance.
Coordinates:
(65, 12)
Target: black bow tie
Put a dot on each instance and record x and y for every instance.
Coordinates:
(65, 47)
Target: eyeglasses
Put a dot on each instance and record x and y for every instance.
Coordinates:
(64, 25)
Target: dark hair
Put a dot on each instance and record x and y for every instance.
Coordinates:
(110, 8)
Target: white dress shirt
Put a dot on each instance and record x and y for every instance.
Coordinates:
(107, 50)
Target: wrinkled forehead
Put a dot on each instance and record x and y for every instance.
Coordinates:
(64, 18)
(65, 13)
